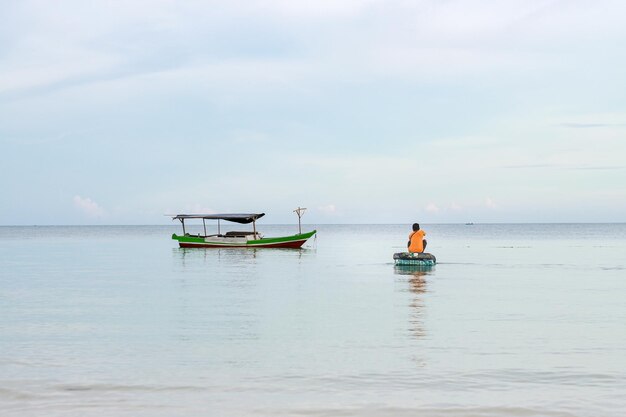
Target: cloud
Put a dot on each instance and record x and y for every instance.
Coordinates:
(314, 9)
(530, 166)
(489, 203)
(594, 120)
(589, 125)
(431, 208)
(328, 209)
(562, 166)
(600, 168)
(248, 137)
(198, 209)
(430, 37)
(88, 206)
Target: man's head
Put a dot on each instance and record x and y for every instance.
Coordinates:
(416, 227)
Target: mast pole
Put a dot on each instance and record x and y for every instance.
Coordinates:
(299, 211)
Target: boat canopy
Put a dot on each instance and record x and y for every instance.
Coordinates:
(242, 218)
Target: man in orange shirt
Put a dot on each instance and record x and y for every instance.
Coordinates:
(417, 243)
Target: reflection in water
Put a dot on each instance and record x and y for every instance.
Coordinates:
(417, 285)
(232, 274)
(234, 256)
(214, 254)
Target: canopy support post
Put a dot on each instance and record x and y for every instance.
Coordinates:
(204, 225)
(254, 228)
(182, 221)
(218, 227)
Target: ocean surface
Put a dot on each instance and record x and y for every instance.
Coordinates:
(514, 320)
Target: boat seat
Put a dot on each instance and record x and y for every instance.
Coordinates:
(238, 234)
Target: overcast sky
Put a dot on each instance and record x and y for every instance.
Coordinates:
(362, 111)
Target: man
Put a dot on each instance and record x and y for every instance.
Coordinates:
(417, 243)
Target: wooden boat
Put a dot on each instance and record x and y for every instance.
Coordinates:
(236, 239)
(417, 259)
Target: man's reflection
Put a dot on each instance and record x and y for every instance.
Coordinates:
(417, 285)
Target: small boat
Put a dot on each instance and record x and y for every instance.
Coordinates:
(417, 259)
(236, 239)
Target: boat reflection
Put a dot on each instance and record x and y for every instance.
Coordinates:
(236, 257)
(417, 280)
(215, 255)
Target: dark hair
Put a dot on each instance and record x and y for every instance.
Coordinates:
(416, 227)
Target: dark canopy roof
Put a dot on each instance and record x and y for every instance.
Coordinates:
(242, 218)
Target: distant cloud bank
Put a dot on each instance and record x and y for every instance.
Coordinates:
(88, 207)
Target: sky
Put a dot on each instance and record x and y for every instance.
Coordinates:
(119, 112)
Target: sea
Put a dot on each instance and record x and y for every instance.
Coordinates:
(514, 320)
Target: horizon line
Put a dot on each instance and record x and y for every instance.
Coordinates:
(317, 224)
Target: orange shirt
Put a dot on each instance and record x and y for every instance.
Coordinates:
(417, 241)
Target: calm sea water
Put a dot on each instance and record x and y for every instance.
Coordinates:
(515, 320)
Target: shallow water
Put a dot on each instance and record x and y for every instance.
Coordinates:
(515, 320)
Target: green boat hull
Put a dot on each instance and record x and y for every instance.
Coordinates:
(292, 242)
